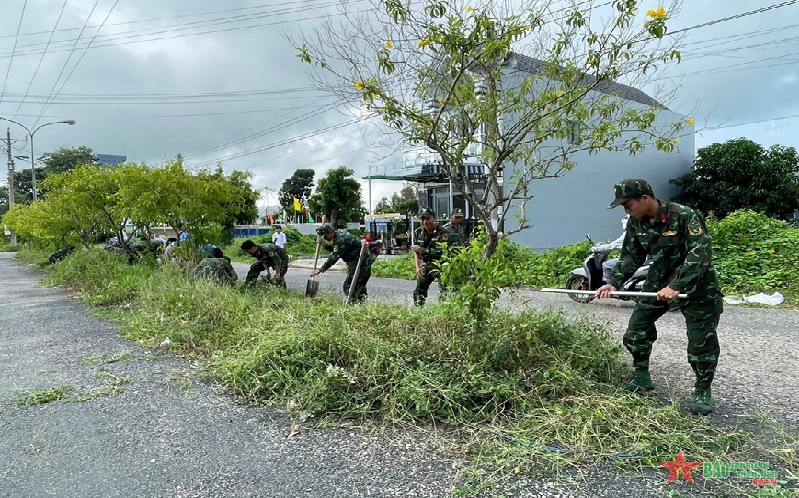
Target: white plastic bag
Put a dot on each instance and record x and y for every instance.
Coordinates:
(760, 298)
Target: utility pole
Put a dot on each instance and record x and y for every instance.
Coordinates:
(13, 237)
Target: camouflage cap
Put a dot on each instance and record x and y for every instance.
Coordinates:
(630, 189)
(325, 229)
(426, 213)
(457, 212)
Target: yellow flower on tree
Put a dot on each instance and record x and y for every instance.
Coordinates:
(660, 13)
(359, 85)
(424, 43)
(675, 140)
(389, 44)
(469, 9)
(690, 121)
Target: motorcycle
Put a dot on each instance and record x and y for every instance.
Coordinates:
(589, 277)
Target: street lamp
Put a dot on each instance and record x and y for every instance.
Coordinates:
(30, 135)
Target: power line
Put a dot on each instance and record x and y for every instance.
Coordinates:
(38, 66)
(736, 16)
(8, 71)
(63, 68)
(81, 56)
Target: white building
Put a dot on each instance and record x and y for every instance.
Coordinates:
(564, 209)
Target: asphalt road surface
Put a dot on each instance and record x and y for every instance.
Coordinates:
(148, 427)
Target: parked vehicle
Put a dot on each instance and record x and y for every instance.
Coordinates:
(589, 277)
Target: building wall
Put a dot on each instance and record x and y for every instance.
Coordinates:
(563, 210)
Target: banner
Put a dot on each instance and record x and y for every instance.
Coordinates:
(297, 205)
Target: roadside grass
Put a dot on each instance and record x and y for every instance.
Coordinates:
(523, 393)
(395, 267)
(45, 395)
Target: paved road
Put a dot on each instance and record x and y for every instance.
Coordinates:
(169, 434)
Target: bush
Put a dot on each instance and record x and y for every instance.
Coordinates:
(752, 252)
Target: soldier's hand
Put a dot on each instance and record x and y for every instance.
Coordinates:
(667, 294)
(604, 291)
(419, 272)
(315, 273)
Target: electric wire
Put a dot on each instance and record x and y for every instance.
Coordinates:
(39, 65)
(11, 60)
(116, 2)
(66, 62)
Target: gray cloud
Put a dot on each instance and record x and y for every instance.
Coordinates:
(237, 93)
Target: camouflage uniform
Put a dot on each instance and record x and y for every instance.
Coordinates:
(218, 270)
(430, 252)
(61, 254)
(457, 233)
(678, 245)
(269, 256)
(347, 247)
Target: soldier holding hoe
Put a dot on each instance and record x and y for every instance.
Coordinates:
(347, 247)
(675, 239)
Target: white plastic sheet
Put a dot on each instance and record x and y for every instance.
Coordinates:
(761, 298)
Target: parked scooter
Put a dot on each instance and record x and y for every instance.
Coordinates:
(589, 277)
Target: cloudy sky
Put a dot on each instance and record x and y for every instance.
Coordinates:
(219, 81)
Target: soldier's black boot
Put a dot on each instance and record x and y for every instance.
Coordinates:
(640, 381)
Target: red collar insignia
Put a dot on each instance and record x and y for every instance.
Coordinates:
(664, 218)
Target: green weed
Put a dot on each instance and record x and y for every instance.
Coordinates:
(45, 395)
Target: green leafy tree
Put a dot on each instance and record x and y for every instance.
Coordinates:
(126, 200)
(439, 74)
(338, 195)
(404, 202)
(243, 209)
(299, 186)
(741, 174)
(59, 161)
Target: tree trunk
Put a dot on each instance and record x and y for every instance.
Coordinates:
(334, 217)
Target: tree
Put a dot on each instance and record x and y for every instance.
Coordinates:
(111, 199)
(437, 73)
(243, 210)
(299, 186)
(61, 160)
(741, 174)
(338, 196)
(404, 202)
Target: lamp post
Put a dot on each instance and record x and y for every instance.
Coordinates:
(30, 135)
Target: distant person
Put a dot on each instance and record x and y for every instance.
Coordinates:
(607, 266)
(279, 238)
(457, 233)
(431, 238)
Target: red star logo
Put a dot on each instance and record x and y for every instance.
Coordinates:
(679, 464)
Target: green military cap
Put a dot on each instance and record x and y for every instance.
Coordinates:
(630, 189)
(426, 213)
(457, 212)
(325, 229)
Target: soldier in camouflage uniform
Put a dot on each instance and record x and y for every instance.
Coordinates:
(269, 256)
(457, 232)
(346, 247)
(431, 239)
(675, 239)
(216, 268)
(61, 254)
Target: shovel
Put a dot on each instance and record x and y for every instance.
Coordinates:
(614, 293)
(312, 285)
(357, 272)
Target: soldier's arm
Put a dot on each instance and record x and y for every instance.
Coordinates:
(698, 258)
(331, 260)
(633, 255)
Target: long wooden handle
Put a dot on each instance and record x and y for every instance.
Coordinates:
(316, 257)
(357, 273)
